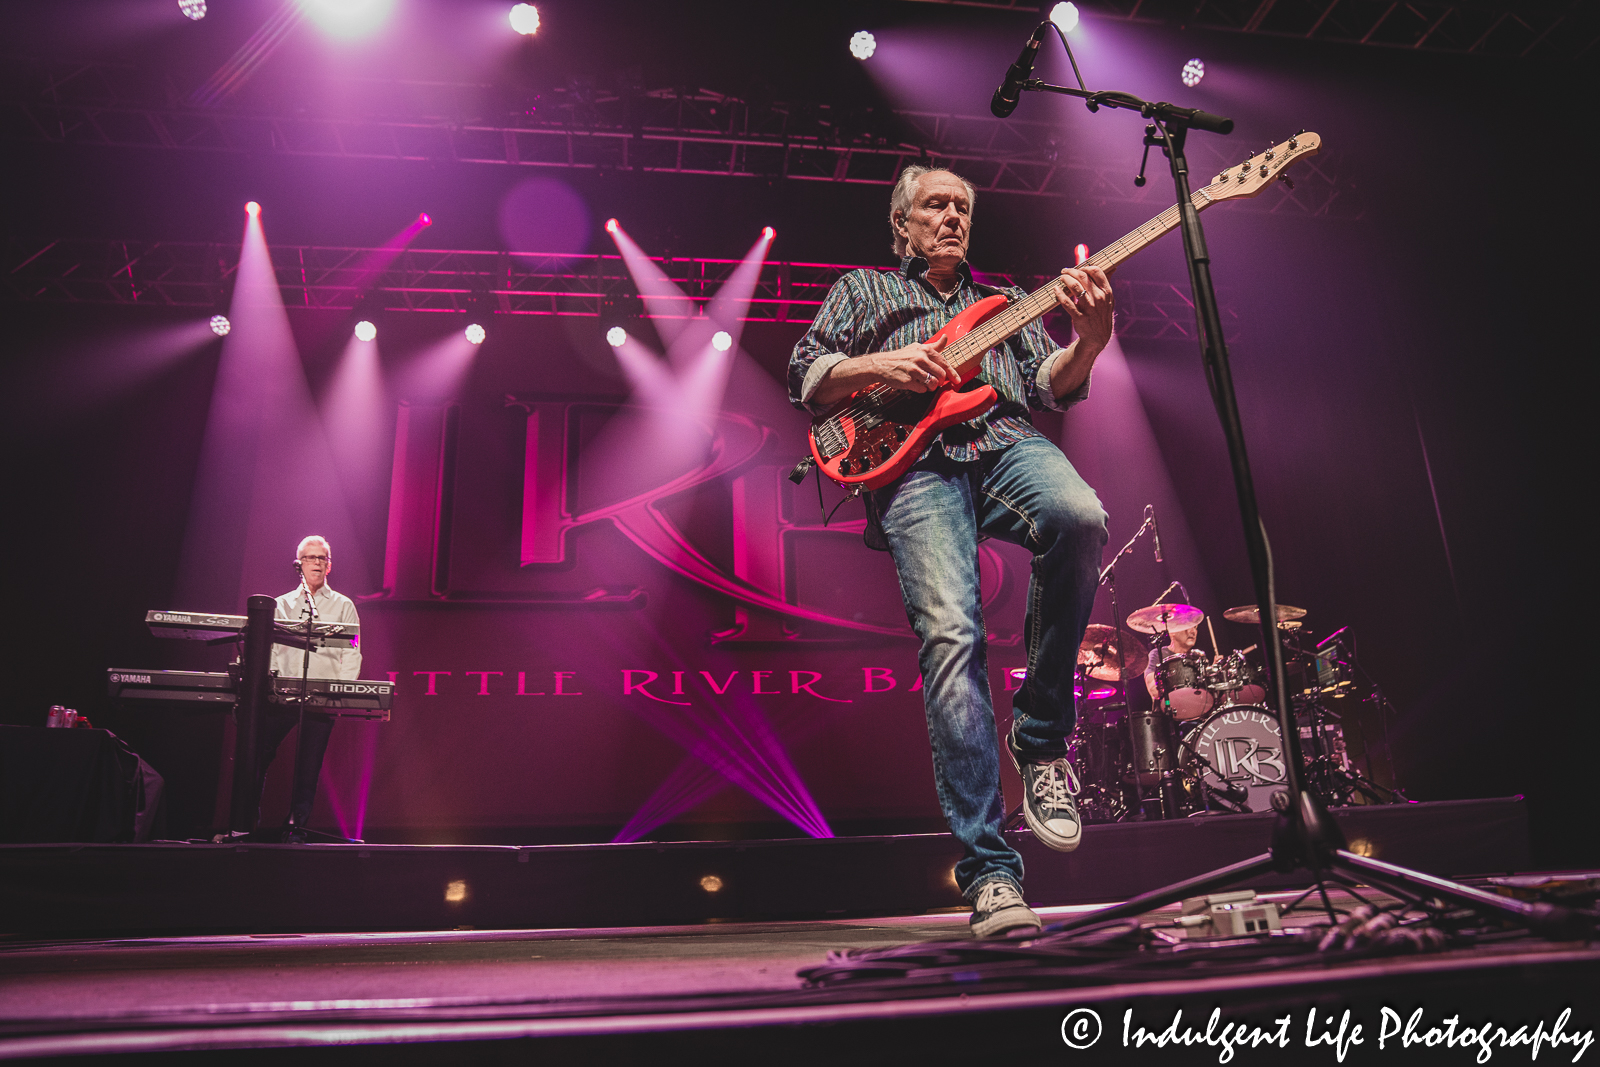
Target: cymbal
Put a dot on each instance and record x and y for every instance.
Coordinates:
(1098, 655)
(1251, 613)
(1159, 617)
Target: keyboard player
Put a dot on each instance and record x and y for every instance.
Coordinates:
(314, 561)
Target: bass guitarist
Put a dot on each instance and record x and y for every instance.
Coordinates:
(994, 476)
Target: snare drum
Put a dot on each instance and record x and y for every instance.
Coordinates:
(1182, 683)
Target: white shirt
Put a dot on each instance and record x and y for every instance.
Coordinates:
(328, 662)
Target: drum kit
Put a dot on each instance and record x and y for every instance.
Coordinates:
(1209, 743)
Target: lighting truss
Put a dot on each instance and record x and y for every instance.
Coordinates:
(1550, 31)
(678, 131)
(201, 275)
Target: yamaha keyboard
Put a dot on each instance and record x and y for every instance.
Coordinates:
(353, 699)
(198, 626)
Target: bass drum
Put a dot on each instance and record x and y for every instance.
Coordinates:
(1244, 746)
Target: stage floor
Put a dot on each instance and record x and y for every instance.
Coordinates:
(724, 989)
(88, 890)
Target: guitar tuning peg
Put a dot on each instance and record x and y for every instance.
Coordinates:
(1285, 179)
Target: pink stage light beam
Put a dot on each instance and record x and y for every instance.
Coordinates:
(666, 304)
(378, 260)
(263, 480)
(436, 372)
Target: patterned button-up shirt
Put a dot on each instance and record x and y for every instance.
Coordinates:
(881, 310)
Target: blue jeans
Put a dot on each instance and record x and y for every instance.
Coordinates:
(1029, 495)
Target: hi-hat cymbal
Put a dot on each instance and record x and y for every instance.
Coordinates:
(1107, 652)
(1161, 617)
(1251, 613)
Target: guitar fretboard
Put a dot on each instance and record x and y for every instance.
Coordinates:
(1019, 313)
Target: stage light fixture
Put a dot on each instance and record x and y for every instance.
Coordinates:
(1079, 254)
(1193, 71)
(768, 232)
(220, 325)
(425, 219)
(525, 19)
(476, 334)
(193, 9)
(612, 225)
(252, 208)
(721, 340)
(711, 884)
(863, 44)
(365, 331)
(1065, 16)
(616, 337)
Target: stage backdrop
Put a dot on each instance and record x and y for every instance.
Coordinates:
(610, 609)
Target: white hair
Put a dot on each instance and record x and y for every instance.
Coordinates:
(905, 191)
(314, 539)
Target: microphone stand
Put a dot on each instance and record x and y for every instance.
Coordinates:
(305, 695)
(1304, 837)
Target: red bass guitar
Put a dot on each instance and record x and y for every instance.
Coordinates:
(872, 437)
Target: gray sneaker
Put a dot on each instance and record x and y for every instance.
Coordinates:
(1000, 908)
(1048, 804)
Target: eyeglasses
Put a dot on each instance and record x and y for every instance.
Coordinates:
(316, 559)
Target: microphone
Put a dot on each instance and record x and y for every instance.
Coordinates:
(1155, 531)
(1005, 98)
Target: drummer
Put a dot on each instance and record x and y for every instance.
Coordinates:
(1181, 642)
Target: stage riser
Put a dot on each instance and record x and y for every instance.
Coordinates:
(103, 889)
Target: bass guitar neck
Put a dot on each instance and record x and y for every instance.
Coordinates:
(873, 436)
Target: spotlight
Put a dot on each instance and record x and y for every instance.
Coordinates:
(476, 334)
(1193, 71)
(1079, 254)
(863, 44)
(612, 225)
(616, 337)
(365, 331)
(1065, 16)
(252, 208)
(220, 325)
(347, 19)
(525, 19)
(768, 232)
(193, 9)
(711, 884)
(425, 219)
(721, 341)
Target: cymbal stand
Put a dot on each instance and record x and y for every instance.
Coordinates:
(1108, 578)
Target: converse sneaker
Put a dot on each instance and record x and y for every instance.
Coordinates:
(1048, 790)
(1000, 908)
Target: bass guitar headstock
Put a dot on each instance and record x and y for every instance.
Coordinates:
(1254, 174)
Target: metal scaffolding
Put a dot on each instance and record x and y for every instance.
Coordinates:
(1550, 31)
(671, 130)
(169, 274)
